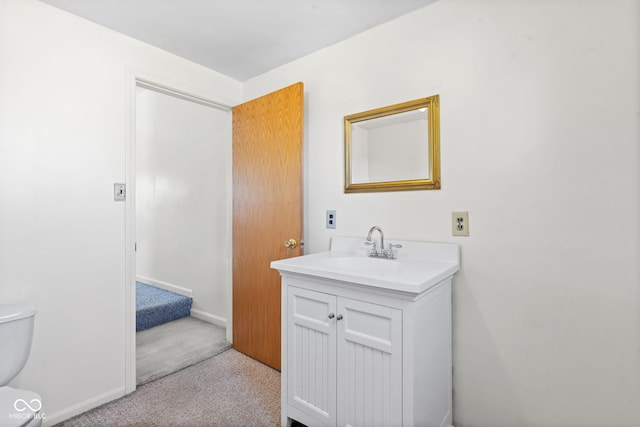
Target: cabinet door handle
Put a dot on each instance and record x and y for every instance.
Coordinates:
(339, 317)
(331, 315)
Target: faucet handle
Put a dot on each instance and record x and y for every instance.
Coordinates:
(374, 248)
(389, 252)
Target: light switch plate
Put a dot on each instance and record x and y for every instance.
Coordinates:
(460, 223)
(119, 192)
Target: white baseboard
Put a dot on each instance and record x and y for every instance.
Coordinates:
(166, 286)
(208, 317)
(65, 414)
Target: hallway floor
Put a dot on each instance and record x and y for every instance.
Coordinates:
(167, 348)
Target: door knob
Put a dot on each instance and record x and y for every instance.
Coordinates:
(291, 243)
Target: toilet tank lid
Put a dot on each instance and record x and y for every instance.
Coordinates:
(11, 312)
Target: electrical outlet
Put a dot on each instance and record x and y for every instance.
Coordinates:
(460, 223)
(331, 219)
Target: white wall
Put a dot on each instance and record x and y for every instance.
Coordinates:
(540, 123)
(183, 168)
(62, 146)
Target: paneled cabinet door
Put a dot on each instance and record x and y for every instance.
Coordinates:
(344, 360)
(369, 364)
(311, 354)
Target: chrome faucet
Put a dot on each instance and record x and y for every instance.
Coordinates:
(374, 249)
(382, 252)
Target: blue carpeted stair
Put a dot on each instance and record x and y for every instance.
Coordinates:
(155, 306)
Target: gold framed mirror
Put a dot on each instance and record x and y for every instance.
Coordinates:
(394, 148)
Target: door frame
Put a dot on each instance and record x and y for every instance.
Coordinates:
(133, 80)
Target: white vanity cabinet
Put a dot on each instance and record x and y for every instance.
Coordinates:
(358, 350)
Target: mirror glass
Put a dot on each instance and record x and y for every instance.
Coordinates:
(393, 148)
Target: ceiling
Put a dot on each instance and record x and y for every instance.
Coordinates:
(240, 38)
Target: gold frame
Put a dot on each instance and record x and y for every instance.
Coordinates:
(432, 104)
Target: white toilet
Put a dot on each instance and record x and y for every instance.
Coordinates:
(18, 408)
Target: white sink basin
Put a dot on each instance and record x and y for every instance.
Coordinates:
(359, 263)
(418, 267)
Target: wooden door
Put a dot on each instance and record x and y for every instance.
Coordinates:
(267, 212)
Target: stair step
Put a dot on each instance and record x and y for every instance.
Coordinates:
(155, 306)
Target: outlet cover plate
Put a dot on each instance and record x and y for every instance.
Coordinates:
(331, 219)
(460, 223)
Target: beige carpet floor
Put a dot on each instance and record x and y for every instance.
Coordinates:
(227, 390)
(167, 348)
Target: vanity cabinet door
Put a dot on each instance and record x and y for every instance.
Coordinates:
(311, 354)
(344, 360)
(369, 355)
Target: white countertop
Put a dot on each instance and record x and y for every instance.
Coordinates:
(418, 267)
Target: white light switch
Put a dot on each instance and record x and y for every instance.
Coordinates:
(119, 192)
(460, 223)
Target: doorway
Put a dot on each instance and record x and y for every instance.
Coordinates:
(180, 192)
